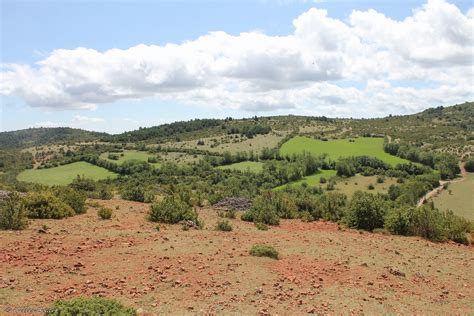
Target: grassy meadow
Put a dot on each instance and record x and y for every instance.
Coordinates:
(129, 155)
(251, 166)
(312, 180)
(364, 146)
(360, 183)
(458, 197)
(64, 175)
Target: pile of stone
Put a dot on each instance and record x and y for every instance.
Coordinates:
(234, 203)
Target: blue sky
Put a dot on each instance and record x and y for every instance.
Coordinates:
(31, 31)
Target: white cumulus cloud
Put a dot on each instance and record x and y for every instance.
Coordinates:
(257, 72)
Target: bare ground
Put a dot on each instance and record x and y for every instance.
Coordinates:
(321, 270)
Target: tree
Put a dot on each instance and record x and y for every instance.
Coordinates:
(13, 213)
(366, 211)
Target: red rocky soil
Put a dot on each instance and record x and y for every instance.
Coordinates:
(321, 270)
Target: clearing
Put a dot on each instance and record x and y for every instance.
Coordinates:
(458, 197)
(363, 146)
(129, 155)
(251, 166)
(322, 270)
(232, 143)
(312, 180)
(64, 175)
(349, 186)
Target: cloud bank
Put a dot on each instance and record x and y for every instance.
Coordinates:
(367, 65)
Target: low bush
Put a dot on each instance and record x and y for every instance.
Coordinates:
(366, 211)
(264, 251)
(172, 210)
(104, 212)
(46, 205)
(469, 165)
(13, 214)
(89, 306)
(74, 198)
(224, 226)
(261, 226)
(428, 222)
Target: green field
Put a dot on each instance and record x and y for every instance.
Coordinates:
(312, 180)
(360, 183)
(63, 175)
(365, 146)
(251, 166)
(461, 198)
(129, 155)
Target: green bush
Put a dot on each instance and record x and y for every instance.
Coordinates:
(46, 205)
(268, 208)
(261, 226)
(429, 223)
(224, 226)
(397, 221)
(133, 192)
(13, 214)
(172, 210)
(370, 187)
(104, 212)
(264, 251)
(247, 216)
(330, 206)
(469, 165)
(75, 199)
(366, 211)
(89, 306)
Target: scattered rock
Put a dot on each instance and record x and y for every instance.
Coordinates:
(396, 271)
(234, 203)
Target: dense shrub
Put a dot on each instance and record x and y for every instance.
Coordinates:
(46, 205)
(133, 192)
(224, 226)
(330, 206)
(261, 226)
(75, 199)
(12, 213)
(104, 212)
(91, 188)
(89, 306)
(269, 207)
(397, 221)
(469, 165)
(172, 210)
(428, 222)
(366, 211)
(264, 251)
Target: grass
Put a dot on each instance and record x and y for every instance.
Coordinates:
(220, 144)
(361, 183)
(335, 149)
(461, 200)
(250, 166)
(129, 155)
(264, 251)
(64, 175)
(312, 180)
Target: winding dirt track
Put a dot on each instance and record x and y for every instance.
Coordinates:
(441, 187)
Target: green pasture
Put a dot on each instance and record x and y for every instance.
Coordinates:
(64, 175)
(312, 180)
(364, 146)
(459, 197)
(129, 155)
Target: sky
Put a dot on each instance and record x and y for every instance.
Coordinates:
(119, 65)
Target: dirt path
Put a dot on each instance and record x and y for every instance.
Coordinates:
(433, 193)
